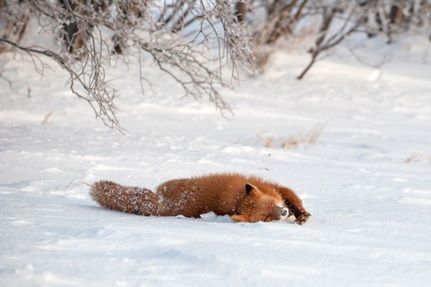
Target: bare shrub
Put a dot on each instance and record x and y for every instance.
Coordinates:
(293, 141)
(287, 19)
(328, 38)
(418, 157)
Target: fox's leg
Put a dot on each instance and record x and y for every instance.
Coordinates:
(242, 218)
(294, 203)
(177, 199)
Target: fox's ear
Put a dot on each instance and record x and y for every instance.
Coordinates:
(249, 188)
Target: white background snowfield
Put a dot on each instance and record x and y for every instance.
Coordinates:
(366, 181)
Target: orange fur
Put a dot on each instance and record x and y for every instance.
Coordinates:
(244, 198)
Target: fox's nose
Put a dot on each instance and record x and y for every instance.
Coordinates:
(282, 211)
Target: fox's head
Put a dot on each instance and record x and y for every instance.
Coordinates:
(257, 205)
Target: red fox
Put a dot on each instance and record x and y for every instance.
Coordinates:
(243, 198)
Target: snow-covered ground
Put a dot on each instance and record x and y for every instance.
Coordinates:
(367, 180)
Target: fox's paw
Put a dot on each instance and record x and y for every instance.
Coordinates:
(302, 217)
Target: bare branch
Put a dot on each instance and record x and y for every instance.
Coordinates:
(130, 26)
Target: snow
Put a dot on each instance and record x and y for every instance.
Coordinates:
(366, 181)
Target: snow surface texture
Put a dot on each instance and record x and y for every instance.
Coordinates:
(366, 181)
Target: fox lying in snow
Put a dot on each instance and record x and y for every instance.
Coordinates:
(243, 198)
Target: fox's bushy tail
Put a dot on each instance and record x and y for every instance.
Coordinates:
(124, 198)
